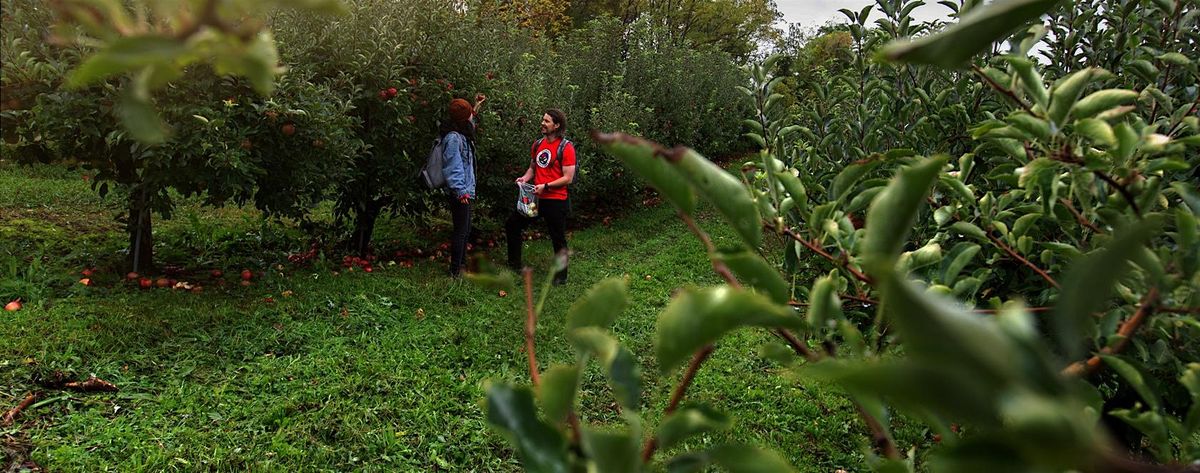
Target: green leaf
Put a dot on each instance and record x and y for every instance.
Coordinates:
(936, 330)
(892, 213)
(325, 7)
(1065, 92)
(958, 259)
(823, 303)
(642, 157)
(689, 421)
(1023, 224)
(697, 318)
(921, 257)
(912, 386)
(863, 199)
(736, 458)
(1133, 375)
(975, 32)
(600, 306)
(1191, 380)
(1092, 280)
(1152, 426)
(540, 447)
(620, 366)
(1175, 59)
(257, 60)
(1102, 100)
(1096, 130)
(757, 139)
(969, 229)
(752, 270)
(138, 116)
(1189, 196)
(1031, 81)
(614, 452)
(849, 177)
(557, 392)
(502, 281)
(795, 189)
(732, 200)
(1032, 126)
(126, 55)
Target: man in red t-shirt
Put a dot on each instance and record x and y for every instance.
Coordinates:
(550, 174)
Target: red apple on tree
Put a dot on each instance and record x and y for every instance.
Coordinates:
(288, 129)
(247, 275)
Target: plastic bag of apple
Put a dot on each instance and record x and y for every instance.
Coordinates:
(527, 201)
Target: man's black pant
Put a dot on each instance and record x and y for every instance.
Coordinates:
(460, 213)
(554, 212)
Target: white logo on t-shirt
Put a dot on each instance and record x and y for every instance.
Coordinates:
(543, 158)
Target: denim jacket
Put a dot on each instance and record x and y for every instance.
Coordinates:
(459, 165)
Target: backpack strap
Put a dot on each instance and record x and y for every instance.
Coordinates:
(562, 146)
(533, 149)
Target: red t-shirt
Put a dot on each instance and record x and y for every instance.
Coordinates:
(547, 167)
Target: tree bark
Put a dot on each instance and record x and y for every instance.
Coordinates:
(364, 226)
(141, 237)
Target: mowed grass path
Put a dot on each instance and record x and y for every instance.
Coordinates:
(363, 372)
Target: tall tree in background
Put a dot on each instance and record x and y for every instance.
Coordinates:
(734, 26)
(543, 16)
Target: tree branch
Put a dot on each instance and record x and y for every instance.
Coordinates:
(1002, 89)
(717, 265)
(1078, 216)
(1018, 257)
(1121, 189)
(530, 327)
(1146, 307)
(807, 244)
(677, 396)
(12, 414)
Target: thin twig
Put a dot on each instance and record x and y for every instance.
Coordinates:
(1027, 309)
(1180, 310)
(1122, 190)
(530, 327)
(677, 396)
(719, 267)
(879, 435)
(1079, 217)
(816, 249)
(1002, 89)
(1146, 307)
(1018, 257)
(797, 345)
(12, 414)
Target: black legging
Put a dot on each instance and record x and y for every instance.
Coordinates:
(460, 213)
(554, 212)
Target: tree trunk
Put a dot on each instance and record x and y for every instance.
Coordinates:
(364, 227)
(141, 239)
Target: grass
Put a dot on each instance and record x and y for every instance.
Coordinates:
(355, 371)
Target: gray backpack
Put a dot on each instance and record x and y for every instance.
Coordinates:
(432, 174)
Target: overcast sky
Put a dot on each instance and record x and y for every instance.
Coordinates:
(816, 12)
